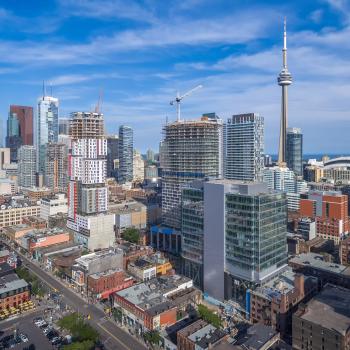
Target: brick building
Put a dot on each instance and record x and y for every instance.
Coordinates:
(274, 303)
(330, 210)
(13, 291)
(149, 305)
(344, 251)
(199, 336)
(101, 285)
(324, 323)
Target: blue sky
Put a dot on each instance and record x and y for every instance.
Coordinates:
(141, 52)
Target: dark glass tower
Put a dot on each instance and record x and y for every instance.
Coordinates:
(294, 154)
(126, 154)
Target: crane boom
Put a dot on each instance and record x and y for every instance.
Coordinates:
(179, 98)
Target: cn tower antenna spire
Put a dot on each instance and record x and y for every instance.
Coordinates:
(284, 80)
(285, 43)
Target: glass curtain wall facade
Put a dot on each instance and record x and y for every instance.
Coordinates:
(126, 154)
(192, 233)
(294, 154)
(46, 127)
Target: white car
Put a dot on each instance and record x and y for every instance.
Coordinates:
(24, 338)
(40, 323)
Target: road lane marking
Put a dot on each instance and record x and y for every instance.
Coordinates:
(113, 336)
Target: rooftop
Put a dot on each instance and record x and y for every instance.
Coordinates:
(282, 284)
(318, 261)
(90, 258)
(4, 253)
(256, 337)
(149, 294)
(105, 273)
(332, 301)
(13, 285)
(206, 335)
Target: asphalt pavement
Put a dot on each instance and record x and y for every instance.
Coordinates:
(112, 336)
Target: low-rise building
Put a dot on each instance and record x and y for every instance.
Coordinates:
(43, 238)
(142, 269)
(307, 228)
(199, 336)
(148, 306)
(7, 186)
(10, 215)
(324, 322)
(36, 193)
(4, 255)
(53, 205)
(344, 251)
(35, 222)
(312, 264)
(129, 214)
(133, 251)
(13, 291)
(274, 303)
(97, 262)
(102, 284)
(15, 232)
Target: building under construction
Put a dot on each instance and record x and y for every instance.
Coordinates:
(191, 150)
(86, 125)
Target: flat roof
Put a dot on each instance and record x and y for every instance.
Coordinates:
(4, 252)
(318, 261)
(206, 335)
(256, 336)
(13, 285)
(148, 294)
(334, 302)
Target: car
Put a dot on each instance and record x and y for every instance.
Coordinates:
(47, 330)
(39, 323)
(43, 325)
(24, 338)
(51, 335)
(53, 340)
(37, 319)
(56, 341)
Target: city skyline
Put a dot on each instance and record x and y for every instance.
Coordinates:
(148, 51)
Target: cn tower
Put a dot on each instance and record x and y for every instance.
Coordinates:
(284, 79)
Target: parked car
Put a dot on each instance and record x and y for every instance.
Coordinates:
(24, 338)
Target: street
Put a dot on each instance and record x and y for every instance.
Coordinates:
(112, 336)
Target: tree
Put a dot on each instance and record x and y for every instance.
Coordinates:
(153, 337)
(209, 316)
(131, 235)
(80, 330)
(84, 345)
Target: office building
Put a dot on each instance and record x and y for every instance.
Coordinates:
(126, 154)
(284, 80)
(244, 147)
(27, 166)
(294, 150)
(112, 155)
(192, 230)
(46, 128)
(87, 190)
(330, 210)
(324, 322)
(191, 150)
(19, 129)
(151, 172)
(245, 243)
(138, 167)
(56, 167)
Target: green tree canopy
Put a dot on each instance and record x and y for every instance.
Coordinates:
(209, 316)
(131, 235)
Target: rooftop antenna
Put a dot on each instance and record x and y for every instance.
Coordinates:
(44, 90)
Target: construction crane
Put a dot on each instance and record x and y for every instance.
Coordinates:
(99, 102)
(179, 98)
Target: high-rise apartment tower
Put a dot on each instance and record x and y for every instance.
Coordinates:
(294, 155)
(126, 154)
(244, 147)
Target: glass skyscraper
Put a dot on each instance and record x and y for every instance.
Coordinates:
(126, 154)
(294, 150)
(46, 126)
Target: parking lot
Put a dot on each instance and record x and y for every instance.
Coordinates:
(34, 334)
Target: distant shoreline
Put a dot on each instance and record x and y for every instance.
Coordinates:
(317, 156)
